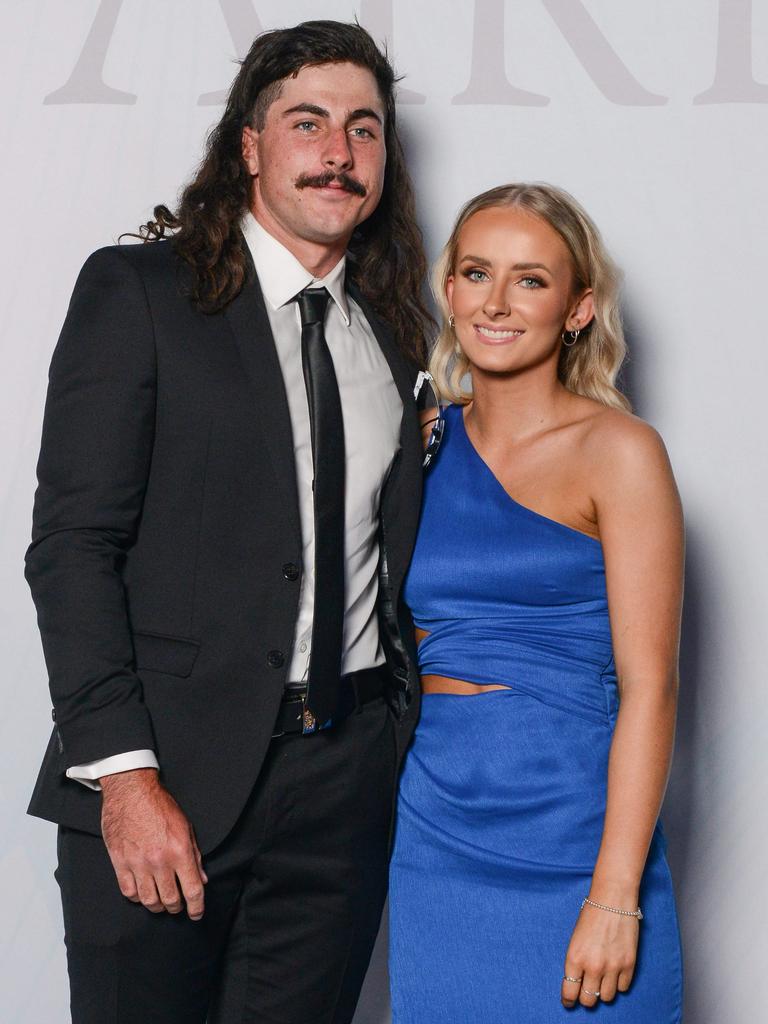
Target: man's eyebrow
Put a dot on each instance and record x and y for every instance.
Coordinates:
(362, 112)
(517, 266)
(307, 108)
(312, 108)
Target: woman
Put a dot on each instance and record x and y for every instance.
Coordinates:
(546, 587)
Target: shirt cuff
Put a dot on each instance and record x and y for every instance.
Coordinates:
(90, 773)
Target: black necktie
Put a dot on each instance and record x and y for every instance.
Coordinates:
(327, 432)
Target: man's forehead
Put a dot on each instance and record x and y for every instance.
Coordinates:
(342, 86)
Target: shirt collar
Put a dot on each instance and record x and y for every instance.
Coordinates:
(282, 277)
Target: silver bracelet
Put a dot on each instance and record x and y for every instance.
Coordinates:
(614, 910)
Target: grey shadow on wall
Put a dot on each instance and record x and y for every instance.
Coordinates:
(373, 1007)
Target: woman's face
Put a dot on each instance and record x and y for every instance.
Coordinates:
(512, 291)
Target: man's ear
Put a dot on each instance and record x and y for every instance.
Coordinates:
(249, 149)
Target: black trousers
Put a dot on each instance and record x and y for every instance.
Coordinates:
(293, 901)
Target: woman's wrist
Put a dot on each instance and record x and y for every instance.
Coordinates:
(621, 893)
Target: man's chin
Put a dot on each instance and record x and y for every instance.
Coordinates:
(330, 231)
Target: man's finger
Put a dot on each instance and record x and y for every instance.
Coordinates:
(168, 891)
(199, 859)
(192, 888)
(148, 895)
(127, 883)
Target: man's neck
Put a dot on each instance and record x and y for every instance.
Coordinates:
(316, 258)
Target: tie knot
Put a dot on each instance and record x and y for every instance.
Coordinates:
(313, 303)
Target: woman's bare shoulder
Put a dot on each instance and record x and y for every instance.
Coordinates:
(620, 440)
(629, 467)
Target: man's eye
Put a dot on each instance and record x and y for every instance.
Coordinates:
(363, 133)
(306, 126)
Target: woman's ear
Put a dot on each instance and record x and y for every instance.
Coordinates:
(582, 312)
(449, 291)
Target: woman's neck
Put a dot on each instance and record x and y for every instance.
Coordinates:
(514, 409)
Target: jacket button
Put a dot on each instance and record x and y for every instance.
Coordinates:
(291, 571)
(275, 659)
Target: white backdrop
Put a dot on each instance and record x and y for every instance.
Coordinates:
(652, 113)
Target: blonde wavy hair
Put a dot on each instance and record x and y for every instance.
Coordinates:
(589, 367)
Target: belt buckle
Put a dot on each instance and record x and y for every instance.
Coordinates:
(310, 723)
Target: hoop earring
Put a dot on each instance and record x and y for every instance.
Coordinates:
(451, 321)
(574, 338)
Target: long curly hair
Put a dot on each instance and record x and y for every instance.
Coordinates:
(588, 368)
(386, 252)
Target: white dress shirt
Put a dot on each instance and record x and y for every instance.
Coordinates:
(372, 412)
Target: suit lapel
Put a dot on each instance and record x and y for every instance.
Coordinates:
(248, 320)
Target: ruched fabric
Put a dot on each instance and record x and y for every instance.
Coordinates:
(502, 797)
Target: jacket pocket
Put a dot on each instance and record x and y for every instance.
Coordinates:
(172, 655)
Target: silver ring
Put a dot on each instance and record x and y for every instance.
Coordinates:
(576, 981)
(588, 993)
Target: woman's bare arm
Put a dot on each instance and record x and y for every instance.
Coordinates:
(641, 529)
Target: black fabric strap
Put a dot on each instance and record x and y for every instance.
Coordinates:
(327, 432)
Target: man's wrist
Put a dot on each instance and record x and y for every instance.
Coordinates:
(120, 781)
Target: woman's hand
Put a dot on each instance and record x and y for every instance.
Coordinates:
(602, 953)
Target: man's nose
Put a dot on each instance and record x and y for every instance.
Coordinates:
(338, 154)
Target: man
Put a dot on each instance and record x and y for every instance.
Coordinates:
(229, 484)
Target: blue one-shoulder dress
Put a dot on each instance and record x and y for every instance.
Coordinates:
(502, 797)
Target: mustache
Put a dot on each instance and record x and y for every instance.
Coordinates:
(348, 183)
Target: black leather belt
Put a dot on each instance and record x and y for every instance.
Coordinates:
(355, 690)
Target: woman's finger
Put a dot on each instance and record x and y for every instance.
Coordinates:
(590, 988)
(571, 986)
(608, 986)
(625, 979)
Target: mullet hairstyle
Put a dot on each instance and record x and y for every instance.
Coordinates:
(591, 366)
(387, 261)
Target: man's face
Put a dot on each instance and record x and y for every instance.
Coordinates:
(318, 162)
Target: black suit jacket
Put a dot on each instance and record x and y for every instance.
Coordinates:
(166, 538)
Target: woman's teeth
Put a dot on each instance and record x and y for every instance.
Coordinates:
(498, 335)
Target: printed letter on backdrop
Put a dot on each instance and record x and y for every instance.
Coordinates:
(86, 83)
(733, 77)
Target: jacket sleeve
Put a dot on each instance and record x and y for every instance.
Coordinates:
(97, 439)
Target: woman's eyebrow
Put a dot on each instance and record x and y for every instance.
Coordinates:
(517, 266)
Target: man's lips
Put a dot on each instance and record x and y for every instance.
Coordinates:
(332, 189)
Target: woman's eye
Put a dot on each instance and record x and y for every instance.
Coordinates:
(531, 282)
(476, 275)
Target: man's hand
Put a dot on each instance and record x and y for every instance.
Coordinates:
(151, 844)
